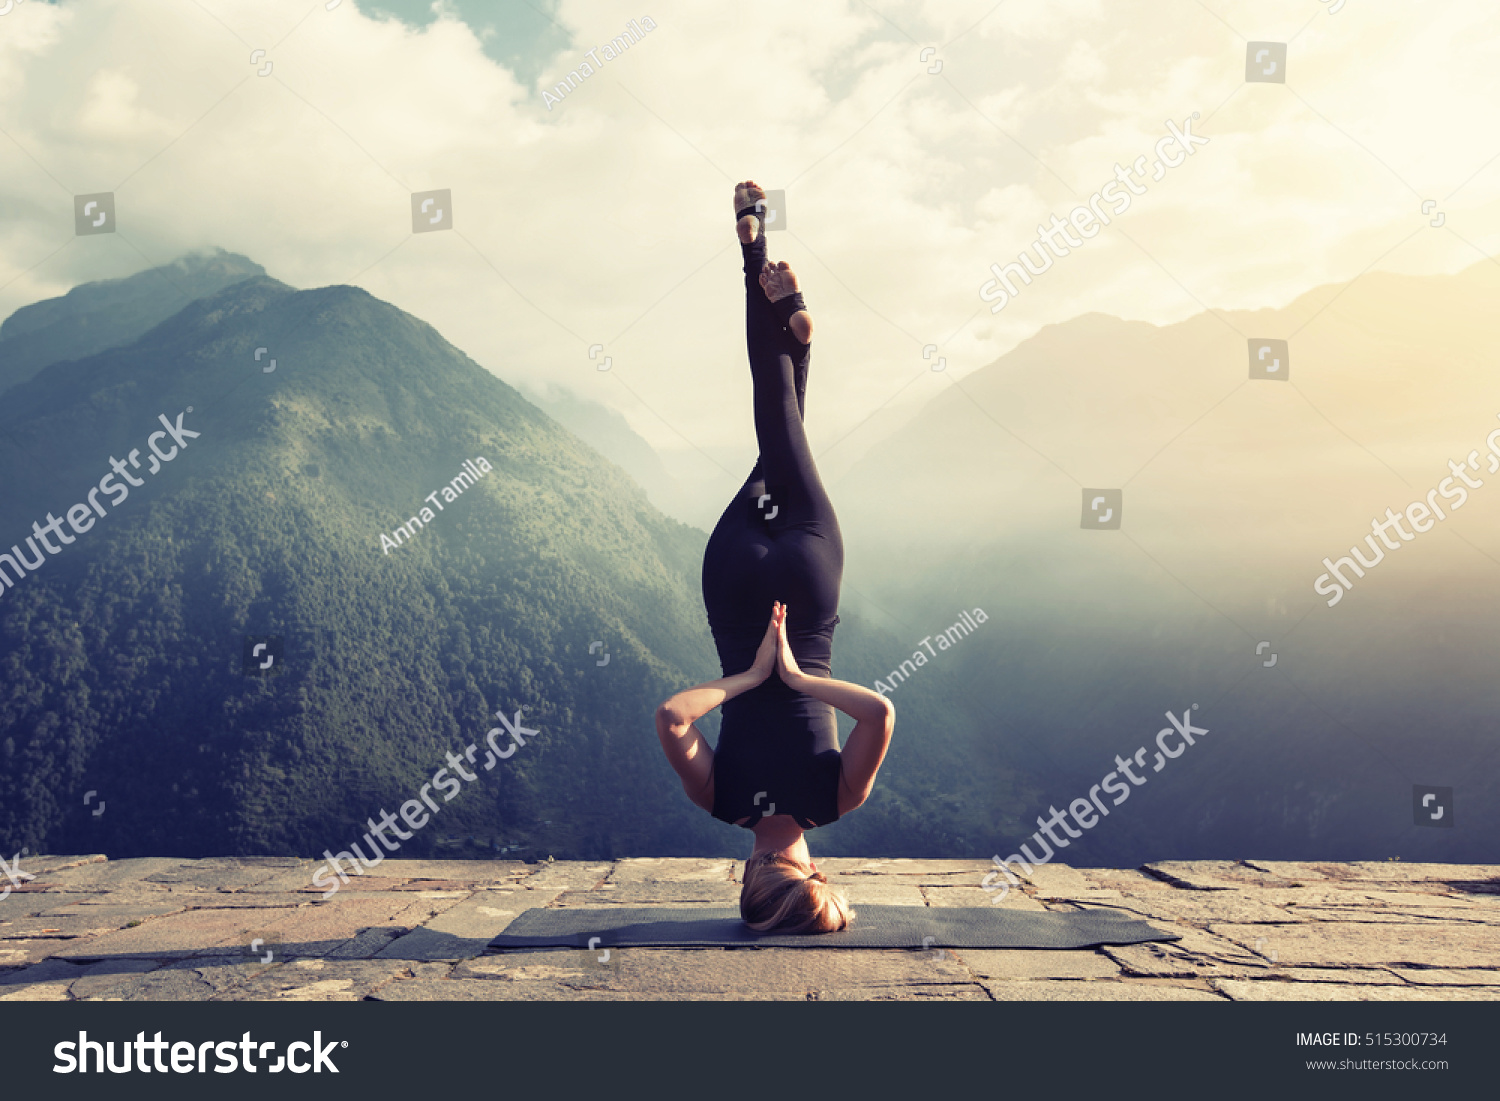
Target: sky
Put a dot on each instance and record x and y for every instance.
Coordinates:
(917, 143)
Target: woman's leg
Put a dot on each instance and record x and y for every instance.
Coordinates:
(786, 459)
(779, 539)
(806, 559)
(765, 333)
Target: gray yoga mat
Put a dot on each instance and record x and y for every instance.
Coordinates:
(874, 927)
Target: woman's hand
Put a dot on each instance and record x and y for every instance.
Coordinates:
(786, 663)
(765, 656)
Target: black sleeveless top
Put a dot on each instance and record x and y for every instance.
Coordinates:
(778, 750)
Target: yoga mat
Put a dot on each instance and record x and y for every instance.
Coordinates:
(874, 927)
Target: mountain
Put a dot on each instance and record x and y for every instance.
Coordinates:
(1233, 491)
(95, 316)
(194, 502)
(609, 433)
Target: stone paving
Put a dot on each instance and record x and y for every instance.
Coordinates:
(164, 929)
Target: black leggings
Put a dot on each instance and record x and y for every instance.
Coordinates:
(778, 540)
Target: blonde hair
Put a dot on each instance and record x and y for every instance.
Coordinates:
(778, 896)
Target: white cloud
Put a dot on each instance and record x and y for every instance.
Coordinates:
(612, 212)
(110, 112)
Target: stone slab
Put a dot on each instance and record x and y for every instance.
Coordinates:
(36, 992)
(427, 945)
(1301, 871)
(655, 894)
(531, 967)
(176, 981)
(1197, 954)
(441, 886)
(35, 927)
(27, 904)
(1353, 976)
(366, 883)
(221, 875)
(327, 980)
(1414, 914)
(81, 921)
(567, 875)
(45, 971)
(22, 953)
(1212, 875)
(1374, 943)
(112, 874)
(1032, 963)
(478, 990)
(129, 895)
(1127, 880)
(913, 992)
(101, 979)
(365, 944)
(1323, 894)
(730, 970)
(466, 929)
(323, 929)
(312, 879)
(51, 862)
(216, 900)
(461, 871)
(1041, 990)
(1449, 976)
(1399, 871)
(1052, 880)
(177, 936)
(1092, 896)
(1203, 907)
(1252, 990)
(936, 873)
(387, 898)
(484, 914)
(1435, 895)
(671, 869)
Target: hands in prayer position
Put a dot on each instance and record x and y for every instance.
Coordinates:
(775, 653)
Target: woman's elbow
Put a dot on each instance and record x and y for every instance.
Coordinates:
(669, 717)
(879, 719)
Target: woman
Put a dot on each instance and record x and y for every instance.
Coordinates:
(777, 553)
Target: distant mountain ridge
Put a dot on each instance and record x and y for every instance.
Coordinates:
(270, 526)
(96, 316)
(1233, 490)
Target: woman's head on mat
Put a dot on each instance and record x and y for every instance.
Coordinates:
(784, 895)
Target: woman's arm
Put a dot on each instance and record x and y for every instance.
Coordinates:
(874, 721)
(686, 748)
(691, 704)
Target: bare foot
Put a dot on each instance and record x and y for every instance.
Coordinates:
(778, 281)
(746, 194)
